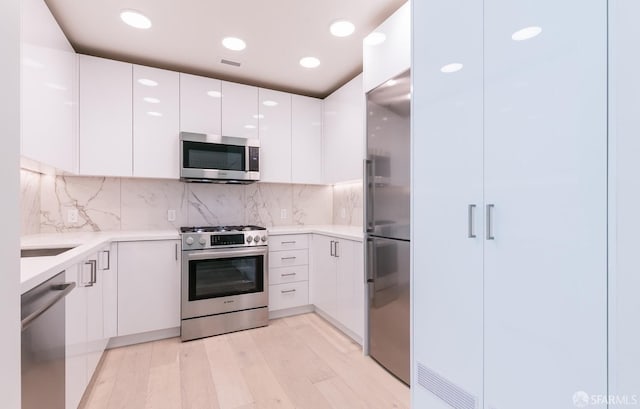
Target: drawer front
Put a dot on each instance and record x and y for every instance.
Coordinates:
(288, 258)
(280, 275)
(290, 295)
(289, 242)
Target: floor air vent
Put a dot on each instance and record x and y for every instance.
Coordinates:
(453, 395)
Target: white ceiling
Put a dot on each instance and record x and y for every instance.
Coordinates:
(186, 36)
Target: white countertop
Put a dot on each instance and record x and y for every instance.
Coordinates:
(36, 270)
(336, 230)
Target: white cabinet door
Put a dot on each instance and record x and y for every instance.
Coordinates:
(322, 279)
(387, 51)
(156, 123)
(49, 90)
(108, 270)
(447, 128)
(350, 286)
(344, 133)
(105, 117)
(546, 173)
(95, 314)
(306, 140)
(275, 136)
(239, 110)
(75, 338)
(148, 286)
(200, 108)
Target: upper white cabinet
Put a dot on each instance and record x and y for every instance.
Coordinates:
(511, 146)
(148, 286)
(275, 136)
(344, 132)
(387, 50)
(49, 90)
(106, 117)
(156, 118)
(306, 140)
(239, 110)
(200, 104)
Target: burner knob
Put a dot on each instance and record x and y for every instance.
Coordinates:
(256, 239)
(189, 240)
(203, 241)
(249, 239)
(264, 238)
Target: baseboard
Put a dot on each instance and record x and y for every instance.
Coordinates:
(126, 340)
(339, 326)
(288, 312)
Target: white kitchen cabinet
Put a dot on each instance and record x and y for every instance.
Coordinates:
(75, 338)
(148, 286)
(239, 110)
(275, 136)
(344, 133)
(288, 272)
(156, 123)
(522, 124)
(48, 90)
(387, 50)
(95, 315)
(106, 117)
(306, 140)
(337, 284)
(108, 271)
(288, 295)
(200, 104)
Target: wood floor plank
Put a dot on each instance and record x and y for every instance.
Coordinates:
(130, 389)
(163, 390)
(197, 388)
(339, 394)
(100, 393)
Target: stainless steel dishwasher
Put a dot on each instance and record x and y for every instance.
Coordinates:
(43, 344)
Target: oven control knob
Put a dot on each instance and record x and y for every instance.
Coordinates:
(264, 238)
(249, 239)
(203, 241)
(256, 239)
(189, 240)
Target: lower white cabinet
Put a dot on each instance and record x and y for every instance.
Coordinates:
(288, 272)
(336, 282)
(148, 286)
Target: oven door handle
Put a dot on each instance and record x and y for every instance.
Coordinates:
(214, 254)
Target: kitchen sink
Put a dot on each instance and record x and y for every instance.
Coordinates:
(44, 252)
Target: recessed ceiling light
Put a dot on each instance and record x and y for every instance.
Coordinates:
(152, 100)
(450, 68)
(214, 94)
(147, 82)
(342, 28)
(153, 113)
(258, 116)
(309, 62)
(375, 38)
(234, 43)
(269, 103)
(248, 126)
(135, 19)
(526, 33)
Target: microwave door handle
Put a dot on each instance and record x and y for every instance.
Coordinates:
(246, 158)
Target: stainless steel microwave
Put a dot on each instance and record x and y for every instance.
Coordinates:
(221, 159)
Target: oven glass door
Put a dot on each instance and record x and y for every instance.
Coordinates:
(222, 277)
(200, 155)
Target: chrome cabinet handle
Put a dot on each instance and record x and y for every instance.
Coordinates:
(108, 253)
(176, 251)
(288, 242)
(94, 271)
(331, 251)
(335, 249)
(490, 235)
(288, 291)
(471, 233)
(288, 258)
(287, 274)
(90, 282)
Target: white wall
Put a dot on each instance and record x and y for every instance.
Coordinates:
(9, 182)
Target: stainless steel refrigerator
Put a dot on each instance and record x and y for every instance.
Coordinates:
(387, 213)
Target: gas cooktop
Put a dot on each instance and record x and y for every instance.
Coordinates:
(219, 229)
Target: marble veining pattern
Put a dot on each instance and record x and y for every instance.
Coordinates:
(312, 204)
(266, 203)
(348, 204)
(29, 202)
(215, 205)
(96, 199)
(146, 203)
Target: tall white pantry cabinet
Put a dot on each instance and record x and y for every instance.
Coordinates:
(510, 206)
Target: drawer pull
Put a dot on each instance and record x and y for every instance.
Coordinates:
(287, 274)
(288, 242)
(288, 258)
(288, 291)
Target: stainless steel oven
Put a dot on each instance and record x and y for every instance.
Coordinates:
(224, 280)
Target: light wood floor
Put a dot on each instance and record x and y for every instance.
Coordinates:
(295, 362)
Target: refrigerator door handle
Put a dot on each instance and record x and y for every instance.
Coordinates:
(490, 235)
(369, 261)
(369, 185)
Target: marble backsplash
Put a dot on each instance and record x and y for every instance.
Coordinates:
(143, 204)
